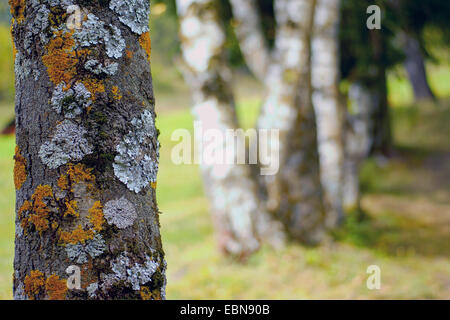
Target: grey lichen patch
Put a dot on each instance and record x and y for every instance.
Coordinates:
(96, 67)
(133, 274)
(19, 292)
(94, 32)
(120, 213)
(132, 13)
(68, 144)
(134, 165)
(80, 253)
(36, 28)
(19, 230)
(92, 289)
(71, 102)
(62, 3)
(163, 288)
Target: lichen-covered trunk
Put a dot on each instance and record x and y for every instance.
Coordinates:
(415, 67)
(233, 194)
(326, 101)
(87, 223)
(358, 141)
(294, 194)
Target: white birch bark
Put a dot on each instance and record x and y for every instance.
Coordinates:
(236, 209)
(251, 38)
(358, 141)
(325, 97)
(294, 194)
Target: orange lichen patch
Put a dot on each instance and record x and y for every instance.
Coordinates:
(61, 59)
(146, 44)
(13, 47)
(17, 9)
(71, 209)
(63, 182)
(116, 93)
(56, 288)
(34, 283)
(145, 293)
(153, 185)
(20, 172)
(129, 54)
(37, 209)
(27, 206)
(94, 86)
(78, 173)
(79, 235)
(96, 216)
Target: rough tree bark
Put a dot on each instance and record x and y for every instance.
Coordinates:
(87, 152)
(326, 102)
(415, 67)
(239, 217)
(294, 195)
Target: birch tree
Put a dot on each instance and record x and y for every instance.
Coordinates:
(358, 141)
(294, 195)
(326, 102)
(87, 224)
(239, 217)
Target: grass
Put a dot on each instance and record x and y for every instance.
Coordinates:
(406, 231)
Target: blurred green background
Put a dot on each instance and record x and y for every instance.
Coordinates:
(406, 199)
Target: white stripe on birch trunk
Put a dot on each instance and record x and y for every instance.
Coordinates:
(325, 97)
(294, 194)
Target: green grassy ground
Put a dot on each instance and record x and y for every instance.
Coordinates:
(406, 233)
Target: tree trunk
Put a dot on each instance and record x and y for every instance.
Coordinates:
(326, 102)
(381, 130)
(236, 209)
(251, 38)
(294, 193)
(87, 153)
(415, 67)
(358, 141)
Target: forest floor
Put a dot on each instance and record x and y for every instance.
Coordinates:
(406, 232)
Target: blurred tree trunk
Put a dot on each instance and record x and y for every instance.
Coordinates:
(251, 38)
(377, 82)
(294, 192)
(240, 219)
(358, 141)
(326, 102)
(415, 67)
(87, 154)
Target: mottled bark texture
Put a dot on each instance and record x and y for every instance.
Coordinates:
(294, 194)
(326, 102)
(236, 210)
(87, 152)
(415, 67)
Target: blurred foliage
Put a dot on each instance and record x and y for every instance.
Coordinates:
(6, 65)
(359, 53)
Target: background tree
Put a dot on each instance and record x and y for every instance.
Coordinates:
(87, 152)
(294, 195)
(240, 218)
(325, 78)
(411, 19)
